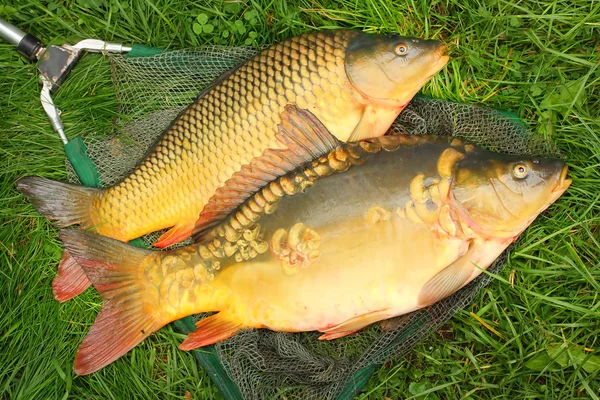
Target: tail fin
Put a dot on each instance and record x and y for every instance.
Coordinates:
(129, 313)
(64, 203)
(71, 280)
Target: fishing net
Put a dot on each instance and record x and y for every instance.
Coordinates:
(263, 364)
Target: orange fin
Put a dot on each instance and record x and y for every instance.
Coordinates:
(127, 316)
(447, 281)
(209, 331)
(63, 203)
(331, 336)
(71, 280)
(354, 324)
(174, 235)
(304, 137)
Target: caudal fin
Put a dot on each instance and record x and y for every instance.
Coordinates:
(64, 203)
(71, 280)
(130, 312)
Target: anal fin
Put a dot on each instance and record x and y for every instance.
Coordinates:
(71, 280)
(174, 235)
(211, 330)
(354, 324)
(303, 137)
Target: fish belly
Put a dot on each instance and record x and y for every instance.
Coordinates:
(361, 269)
(233, 122)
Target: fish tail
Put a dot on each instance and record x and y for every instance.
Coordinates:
(71, 280)
(130, 311)
(63, 203)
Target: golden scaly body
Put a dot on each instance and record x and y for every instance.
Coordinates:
(228, 126)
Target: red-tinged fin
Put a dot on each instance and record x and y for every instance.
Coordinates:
(331, 336)
(129, 314)
(211, 330)
(304, 137)
(63, 203)
(174, 235)
(353, 324)
(71, 280)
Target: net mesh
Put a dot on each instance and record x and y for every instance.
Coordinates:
(264, 364)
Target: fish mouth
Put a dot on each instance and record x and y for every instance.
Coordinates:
(442, 50)
(442, 57)
(563, 182)
(561, 186)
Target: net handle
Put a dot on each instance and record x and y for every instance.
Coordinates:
(140, 50)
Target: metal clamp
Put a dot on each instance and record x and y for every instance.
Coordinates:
(55, 64)
(52, 111)
(99, 46)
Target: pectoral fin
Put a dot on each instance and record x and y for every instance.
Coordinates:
(375, 122)
(354, 324)
(447, 281)
(303, 137)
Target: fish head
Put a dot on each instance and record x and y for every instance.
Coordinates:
(500, 195)
(392, 68)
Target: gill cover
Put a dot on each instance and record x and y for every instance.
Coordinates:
(392, 67)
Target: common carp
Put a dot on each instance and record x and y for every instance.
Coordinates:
(355, 83)
(370, 231)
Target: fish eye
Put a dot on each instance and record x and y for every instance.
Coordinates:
(520, 171)
(401, 49)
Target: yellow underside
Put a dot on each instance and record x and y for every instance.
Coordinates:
(361, 269)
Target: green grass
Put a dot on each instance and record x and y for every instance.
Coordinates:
(538, 59)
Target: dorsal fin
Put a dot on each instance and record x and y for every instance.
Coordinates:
(305, 138)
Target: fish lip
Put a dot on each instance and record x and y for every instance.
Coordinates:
(442, 61)
(442, 50)
(563, 182)
(442, 58)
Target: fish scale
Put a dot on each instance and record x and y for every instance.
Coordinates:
(170, 188)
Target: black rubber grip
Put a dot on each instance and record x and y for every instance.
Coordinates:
(29, 46)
